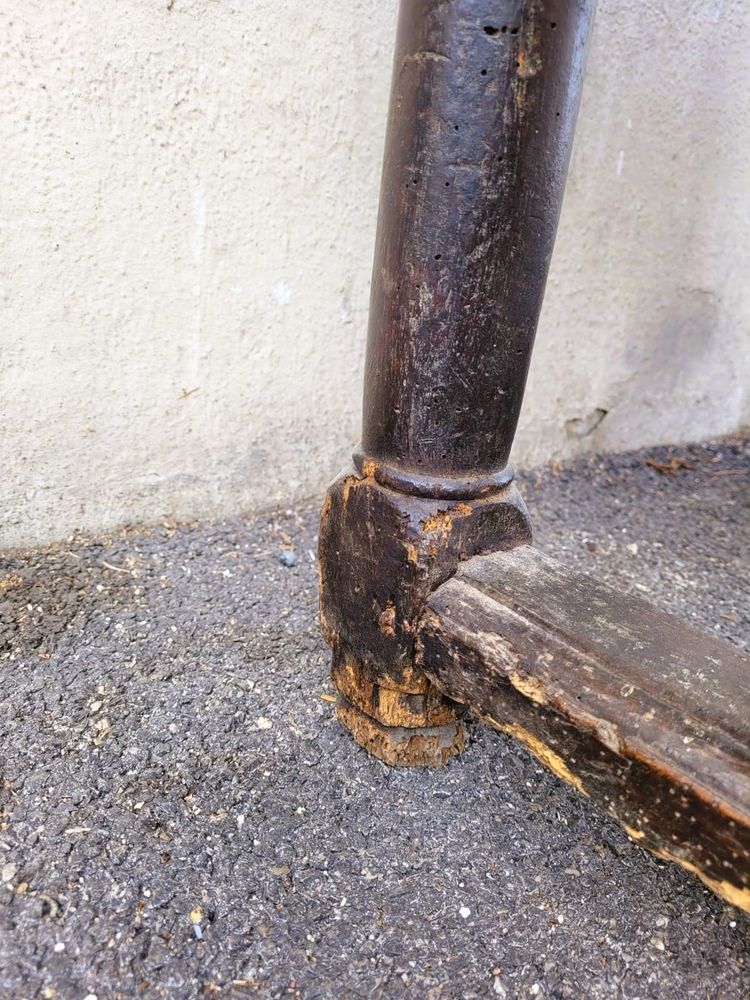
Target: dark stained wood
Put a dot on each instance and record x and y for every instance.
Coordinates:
(483, 106)
(637, 709)
(380, 554)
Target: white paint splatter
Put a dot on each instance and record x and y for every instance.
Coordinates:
(199, 221)
(620, 162)
(282, 293)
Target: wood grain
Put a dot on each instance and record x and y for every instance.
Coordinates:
(483, 107)
(635, 708)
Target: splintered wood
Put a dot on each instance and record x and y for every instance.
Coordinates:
(636, 709)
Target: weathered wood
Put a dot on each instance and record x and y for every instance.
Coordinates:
(381, 553)
(483, 105)
(634, 707)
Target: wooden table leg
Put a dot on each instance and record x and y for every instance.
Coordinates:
(483, 106)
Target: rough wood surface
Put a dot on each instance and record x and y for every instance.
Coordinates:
(380, 554)
(634, 707)
(483, 104)
(483, 107)
(402, 746)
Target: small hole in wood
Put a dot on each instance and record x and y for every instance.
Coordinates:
(447, 184)
(455, 128)
(438, 256)
(483, 72)
(553, 25)
(490, 29)
(514, 31)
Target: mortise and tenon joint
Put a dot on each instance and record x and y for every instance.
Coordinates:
(381, 555)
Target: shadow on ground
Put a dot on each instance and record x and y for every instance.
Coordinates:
(180, 814)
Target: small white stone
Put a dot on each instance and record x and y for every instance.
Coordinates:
(263, 723)
(498, 987)
(8, 872)
(465, 912)
(60, 946)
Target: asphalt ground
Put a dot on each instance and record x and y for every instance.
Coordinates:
(182, 816)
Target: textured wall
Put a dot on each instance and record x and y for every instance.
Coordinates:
(187, 220)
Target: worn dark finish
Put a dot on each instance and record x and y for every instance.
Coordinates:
(482, 110)
(381, 553)
(483, 107)
(638, 710)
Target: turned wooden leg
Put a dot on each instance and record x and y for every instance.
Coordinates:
(483, 107)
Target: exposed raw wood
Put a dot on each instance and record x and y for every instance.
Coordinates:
(429, 746)
(635, 708)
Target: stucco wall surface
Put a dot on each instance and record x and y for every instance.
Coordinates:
(186, 229)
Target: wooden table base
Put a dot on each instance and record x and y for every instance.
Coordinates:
(638, 711)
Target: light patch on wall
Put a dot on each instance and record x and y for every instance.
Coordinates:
(282, 293)
(620, 162)
(199, 221)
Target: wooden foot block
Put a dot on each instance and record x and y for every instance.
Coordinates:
(400, 746)
(381, 553)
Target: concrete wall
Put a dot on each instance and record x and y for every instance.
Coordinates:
(187, 220)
